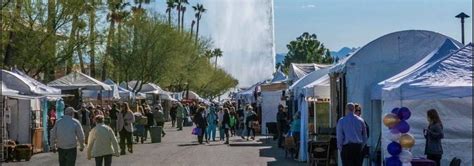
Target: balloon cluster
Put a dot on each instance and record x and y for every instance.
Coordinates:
(402, 141)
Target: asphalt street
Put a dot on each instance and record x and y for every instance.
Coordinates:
(180, 148)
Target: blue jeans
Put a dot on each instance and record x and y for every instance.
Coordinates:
(211, 131)
(221, 133)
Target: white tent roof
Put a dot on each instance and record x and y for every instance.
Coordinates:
(319, 88)
(297, 86)
(192, 95)
(108, 94)
(76, 80)
(298, 70)
(279, 76)
(26, 85)
(7, 91)
(448, 77)
(444, 50)
(146, 88)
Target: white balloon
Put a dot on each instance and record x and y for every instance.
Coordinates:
(405, 156)
(393, 137)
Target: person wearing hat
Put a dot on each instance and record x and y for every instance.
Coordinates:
(102, 143)
(85, 117)
(64, 137)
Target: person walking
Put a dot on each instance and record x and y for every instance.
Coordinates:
(125, 121)
(246, 113)
(180, 115)
(173, 111)
(250, 121)
(113, 117)
(200, 123)
(102, 143)
(365, 149)
(159, 117)
(351, 137)
(212, 124)
(220, 118)
(226, 124)
(140, 122)
(64, 137)
(295, 129)
(233, 123)
(85, 119)
(282, 125)
(150, 117)
(433, 135)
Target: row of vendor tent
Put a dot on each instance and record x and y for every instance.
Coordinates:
(417, 69)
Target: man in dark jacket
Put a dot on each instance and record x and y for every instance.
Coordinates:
(282, 124)
(226, 125)
(200, 123)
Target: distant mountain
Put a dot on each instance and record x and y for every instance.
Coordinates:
(279, 57)
(343, 52)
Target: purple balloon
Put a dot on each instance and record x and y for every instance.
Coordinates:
(404, 113)
(403, 126)
(393, 161)
(394, 131)
(395, 110)
(394, 148)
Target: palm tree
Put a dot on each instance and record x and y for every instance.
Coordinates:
(114, 16)
(91, 8)
(216, 53)
(170, 6)
(192, 28)
(178, 8)
(199, 9)
(183, 10)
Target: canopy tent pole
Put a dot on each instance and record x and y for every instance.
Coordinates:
(314, 116)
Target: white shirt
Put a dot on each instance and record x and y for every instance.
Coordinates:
(66, 133)
(102, 141)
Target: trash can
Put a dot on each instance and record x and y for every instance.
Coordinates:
(155, 134)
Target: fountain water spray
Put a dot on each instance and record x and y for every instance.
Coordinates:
(243, 29)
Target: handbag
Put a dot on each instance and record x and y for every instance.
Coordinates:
(196, 131)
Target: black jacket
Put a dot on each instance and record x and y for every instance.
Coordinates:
(199, 121)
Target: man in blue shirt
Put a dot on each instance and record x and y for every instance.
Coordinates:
(351, 137)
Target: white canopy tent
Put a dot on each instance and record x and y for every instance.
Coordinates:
(279, 76)
(379, 60)
(444, 84)
(319, 88)
(113, 94)
(27, 85)
(78, 80)
(298, 70)
(444, 50)
(297, 87)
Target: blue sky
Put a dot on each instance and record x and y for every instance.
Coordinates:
(339, 23)
(354, 23)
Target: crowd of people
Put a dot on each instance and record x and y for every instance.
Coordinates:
(226, 119)
(98, 128)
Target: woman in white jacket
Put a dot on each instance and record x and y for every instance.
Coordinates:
(102, 143)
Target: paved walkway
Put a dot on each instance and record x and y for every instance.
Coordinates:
(180, 148)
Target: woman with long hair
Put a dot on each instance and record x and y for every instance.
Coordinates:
(433, 135)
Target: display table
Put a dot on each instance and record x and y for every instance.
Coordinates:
(422, 162)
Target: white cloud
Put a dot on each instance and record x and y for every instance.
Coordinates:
(308, 6)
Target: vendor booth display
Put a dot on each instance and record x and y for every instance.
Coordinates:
(444, 84)
(354, 77)
(26, 114)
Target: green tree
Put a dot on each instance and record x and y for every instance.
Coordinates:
(217, 53)
(199, 9)
(306, 49)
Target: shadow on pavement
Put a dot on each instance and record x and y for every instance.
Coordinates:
(191, 144)
(278, 154)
